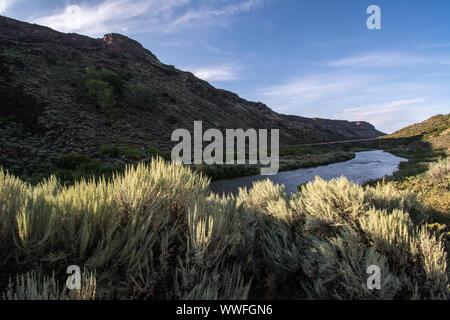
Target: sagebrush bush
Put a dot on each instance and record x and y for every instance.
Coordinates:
(440, 171)
(157, 232)
(32, 286)
(350, 228)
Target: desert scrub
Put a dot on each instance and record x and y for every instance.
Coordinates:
(104, 86)
(32, 286)
(73, 167)
(155, 231)
(102, 74)
(347, 228)
(439, 172)
(110, 150)
(72, 161)
(119, 229)
(101, 92)
(143, 98)
(133, 154)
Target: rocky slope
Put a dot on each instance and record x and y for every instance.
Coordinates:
(46, 110)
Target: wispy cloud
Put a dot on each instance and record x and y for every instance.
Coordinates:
(310, 90)
(383, 100)
(435, 45)
(107, 16)
(207, 15)
(7, 4)
(160, 16)
(391, 107)
(388, 59)
(393, 115)
(217, 73)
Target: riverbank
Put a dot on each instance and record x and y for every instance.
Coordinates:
(291, 158)
(426, 174)
(366, 165)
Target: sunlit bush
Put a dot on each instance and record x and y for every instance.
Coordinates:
(157, 232)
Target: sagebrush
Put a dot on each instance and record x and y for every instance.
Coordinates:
(157, 232)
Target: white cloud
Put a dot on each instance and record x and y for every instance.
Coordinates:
(388, 59)
(206, 15)
(160, 16)
(302, 92)
(106, 17)
(391, 107)
(387, 102)
(6, 4)
(393, 115)
(217, 73)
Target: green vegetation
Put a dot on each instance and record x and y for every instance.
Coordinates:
(107, 89)
(72, 161)
(144, 98)
(435, 131)
(101, 92)
(428, 128)
(153, 152)
(155, 232)
(110, 150)
(104, 86)
(440, 172)
(133, 154)
(102, 74)
(72, 168)
(427, 175)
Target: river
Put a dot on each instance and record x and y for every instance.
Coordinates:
(365, 166)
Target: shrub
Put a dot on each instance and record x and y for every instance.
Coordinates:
(156, 232)
(74, 167)
(103, 86)
(101, 92)
(345, 235)
(110, 150)
(440, 171)
(143, 97)
(153, 152)
(72, 161)
(133, 154)
(107, 76)
(32, 286)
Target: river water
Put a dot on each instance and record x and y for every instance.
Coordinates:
(365, 166)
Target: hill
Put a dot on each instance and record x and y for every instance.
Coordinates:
(435, 131)
(65, 93)
(426, 145)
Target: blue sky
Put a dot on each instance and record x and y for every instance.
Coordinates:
(314, 58)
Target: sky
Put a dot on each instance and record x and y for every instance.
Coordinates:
(313, 58)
